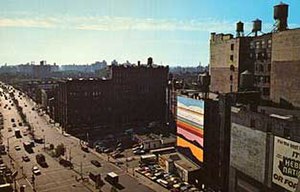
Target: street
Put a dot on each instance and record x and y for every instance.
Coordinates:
(56, 177)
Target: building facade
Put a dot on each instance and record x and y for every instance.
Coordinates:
(271, 58)
(132, 96)
(263, 147)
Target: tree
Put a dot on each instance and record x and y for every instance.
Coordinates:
(51, 146)
(60, 150)
(113, 189)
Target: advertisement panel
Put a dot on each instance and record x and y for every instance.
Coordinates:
(247, 147)
(286, 163)
(190, 132)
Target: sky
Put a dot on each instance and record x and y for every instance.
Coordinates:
(173, 32)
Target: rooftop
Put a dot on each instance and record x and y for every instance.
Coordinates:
(181, 161)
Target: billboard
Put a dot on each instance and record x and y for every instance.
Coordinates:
(286, 163)
(190, 132)
(247, 148)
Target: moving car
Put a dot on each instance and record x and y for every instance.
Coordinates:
(36, 170)
(25, 158)
(17, 148)
(41, 160)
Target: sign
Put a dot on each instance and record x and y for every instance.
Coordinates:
(286, 163)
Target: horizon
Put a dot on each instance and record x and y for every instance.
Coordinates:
(173, 33)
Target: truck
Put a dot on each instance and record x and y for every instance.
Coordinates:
(41, 160)
(18, 133)
(112, 178)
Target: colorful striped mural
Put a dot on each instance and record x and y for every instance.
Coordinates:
(190, 132)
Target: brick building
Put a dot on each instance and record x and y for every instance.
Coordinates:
(257, 153)
(272, 58)
(134, 95)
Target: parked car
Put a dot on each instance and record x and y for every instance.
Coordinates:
(84, 148)
(139, 152)
(108, 150)
(65, 162)
(96, 163)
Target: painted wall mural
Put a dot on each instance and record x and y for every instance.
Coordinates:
(190, 132)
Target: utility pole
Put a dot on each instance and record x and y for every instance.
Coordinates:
(81, 170)
(70, 154)
(8, 145)
(44, 142)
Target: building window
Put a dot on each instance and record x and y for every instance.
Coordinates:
(261, 68)
(231, 57)
(266, 91)
(257, 45)
(252, 123)
(269, 43)
(269, 127)
(232, 47)
(286, 132)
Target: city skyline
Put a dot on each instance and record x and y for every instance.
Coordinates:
(172, 32)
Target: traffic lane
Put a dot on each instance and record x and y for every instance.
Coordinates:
(50, 177)
(79, 156)
(45, 177)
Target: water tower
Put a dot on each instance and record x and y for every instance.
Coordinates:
(239, 29)
(281, 12)
(256, 26)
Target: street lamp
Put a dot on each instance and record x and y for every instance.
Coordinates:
(8, 138)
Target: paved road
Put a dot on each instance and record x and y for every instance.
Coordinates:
(56, 177)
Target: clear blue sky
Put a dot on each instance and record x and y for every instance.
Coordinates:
(173, 32)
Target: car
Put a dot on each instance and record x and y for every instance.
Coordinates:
(117, 155)
(17, 148)
(25, 133)
(36, 170)
(84, 148)
(120, 149)
(139, 152)
(66, 135)
(65, 162)
(25, 158)
(96, 163)
(108, 150)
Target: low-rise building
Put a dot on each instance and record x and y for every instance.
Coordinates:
(176, 163)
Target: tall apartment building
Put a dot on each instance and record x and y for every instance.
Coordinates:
(272, 59)
(134, 95)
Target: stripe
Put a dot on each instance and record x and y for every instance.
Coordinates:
(191, 129)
